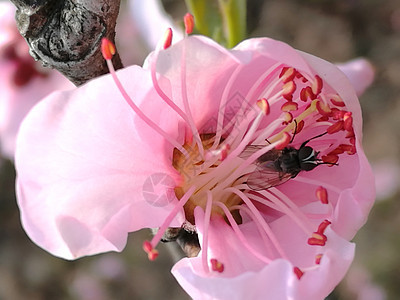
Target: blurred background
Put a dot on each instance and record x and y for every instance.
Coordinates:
(335, 30)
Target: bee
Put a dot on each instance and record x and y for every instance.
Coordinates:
(278, 166)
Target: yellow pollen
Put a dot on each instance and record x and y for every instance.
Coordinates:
(195, 171)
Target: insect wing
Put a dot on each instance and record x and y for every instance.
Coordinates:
(269, 156)
(264, 178)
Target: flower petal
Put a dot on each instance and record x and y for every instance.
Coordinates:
(360, 73)
(83, 167)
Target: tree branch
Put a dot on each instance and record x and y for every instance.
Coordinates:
(66, 34)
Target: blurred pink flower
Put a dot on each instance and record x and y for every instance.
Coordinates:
(23, 82)
(90, 170)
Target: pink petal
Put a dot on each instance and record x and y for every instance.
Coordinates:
(360, 73)
(82, 168)
(277, 279)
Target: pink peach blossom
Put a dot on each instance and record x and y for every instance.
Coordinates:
(196, 121)
(23, 82)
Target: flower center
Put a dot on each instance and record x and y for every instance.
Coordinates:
(233, 172)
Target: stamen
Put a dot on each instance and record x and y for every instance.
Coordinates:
(318, 258)
(288, 207)
(179, 206)
(185, 101)
(322, 194)
(317, 239)
(151, 252)
(259, 219)
(337, 101)
(239, 233)
(216, 265)
(136, 109)
(299, 273)
(167, 39)
(188, 20)
(107, 48)
(284, 141)
(207, 216)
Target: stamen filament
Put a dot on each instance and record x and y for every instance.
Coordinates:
(259, 219)
(157, 237)
(204, 246)
(140, 114)
(240, 235)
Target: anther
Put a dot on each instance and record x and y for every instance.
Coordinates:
(167, 39)
(288, 90)
(317, 239)
(299, 127)
(316, 86)
(284, 141)
(263, 105)
(299, 273)
(337, 101)
(336, 127)
(188, 20)
(107, 48)
(348, 121)
(323, 108)
(289, 106)
(306, 93)
(318, 258)
(287, 117)
(322, 194)
(322, 227)
(151, 252)
(330, 159)
(287, 74)
(216, 265)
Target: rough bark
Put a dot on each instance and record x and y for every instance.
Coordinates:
(66, 34)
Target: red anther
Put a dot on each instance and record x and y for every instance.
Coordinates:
(338, 150)
(299, 127)
(317, 239)
(337, 101)
(299, 273)
(306, 93)
(352, 140)
(318, 258)
(287, 74)
(337, 114)
(300, 76)
(188, 19)
(323, 108)
(349, 149)
(216, 265)
(348, 121)
(316, 86)
(350, 134)
(336, 127)
(167, 39)
(151, 252)
(330, 159)
(263, 105)
(323, 118)
(288, 90)
(322, 194)
(289, 106)
(284, 141)
(288, 118)
(321, 228)
(107, 48)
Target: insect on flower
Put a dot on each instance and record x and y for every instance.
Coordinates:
(278, 166)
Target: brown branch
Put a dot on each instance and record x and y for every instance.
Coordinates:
(66, 34)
